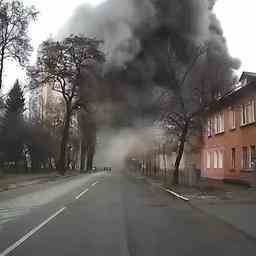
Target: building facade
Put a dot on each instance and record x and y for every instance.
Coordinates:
(229, 139)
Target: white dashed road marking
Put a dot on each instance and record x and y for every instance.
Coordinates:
(95, 183)
(32, 232)
(85, 191)
(82, 193)
(36, 229)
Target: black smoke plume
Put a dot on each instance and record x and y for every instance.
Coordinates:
(136, 35)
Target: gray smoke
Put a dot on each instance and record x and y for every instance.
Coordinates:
(123, 25)
(136, 34)
(115, 22)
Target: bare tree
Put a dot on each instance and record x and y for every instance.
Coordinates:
(88, 127)
(193, 89)
(185, 101)
(62, 65)
(14, 40)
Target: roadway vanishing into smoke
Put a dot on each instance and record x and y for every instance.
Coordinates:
(117, 214)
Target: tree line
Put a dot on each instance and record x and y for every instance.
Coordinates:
(63, 68)
(66, 68)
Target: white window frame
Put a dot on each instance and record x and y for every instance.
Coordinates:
(209, 127)
(219, 123)
(248, 113)
(220, 159)
(208, 160)
(252, 111)
(232, 116)
(216, 127)
(213, 125)
(222, 122)
(215, 159)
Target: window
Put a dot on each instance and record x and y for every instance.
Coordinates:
(233, 158)
(220, 159)
(221, 120)
(215, 159)
(243, 118)
(244, 82)
(252, 157)
(232, 119)
(208, 160)
(248, 113)
(216, 124)
(212, 126)
(209, 127)
(245, 158)
(219, 123)
(249, 157)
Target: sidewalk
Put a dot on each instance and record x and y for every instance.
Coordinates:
(241, 215)
(14, 181)
(233, 204)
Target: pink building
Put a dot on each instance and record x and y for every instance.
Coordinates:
(229, 140)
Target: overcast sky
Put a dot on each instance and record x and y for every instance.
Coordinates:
(53, 14)
(236, 17)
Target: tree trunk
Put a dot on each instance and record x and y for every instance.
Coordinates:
(149, 164)
(165, 162)
(90, 157)
(50, 162)
(91, 148)
(83, 155)
(154, 163)
(64, 140)
(1, 66)
(182, 141)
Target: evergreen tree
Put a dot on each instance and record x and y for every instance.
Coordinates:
(15, 103)
(12, 130)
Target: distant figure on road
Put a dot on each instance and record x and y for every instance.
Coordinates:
(107, 169)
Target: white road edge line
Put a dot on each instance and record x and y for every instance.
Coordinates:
(32, 232)
(80, 195)
(175, 194)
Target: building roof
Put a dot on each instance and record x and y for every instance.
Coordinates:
(247, 82)
(249, 75)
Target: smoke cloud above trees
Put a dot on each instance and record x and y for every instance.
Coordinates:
(137, 36)
(125, 25)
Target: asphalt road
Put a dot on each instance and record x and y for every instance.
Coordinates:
(115, 215)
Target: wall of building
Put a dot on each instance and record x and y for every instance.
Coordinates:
(237, 138)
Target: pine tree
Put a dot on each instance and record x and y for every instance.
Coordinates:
(12, 132)
(15, 103)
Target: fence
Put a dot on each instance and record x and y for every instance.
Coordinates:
(188, 177)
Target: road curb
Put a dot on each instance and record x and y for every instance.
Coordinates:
(173, 193)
